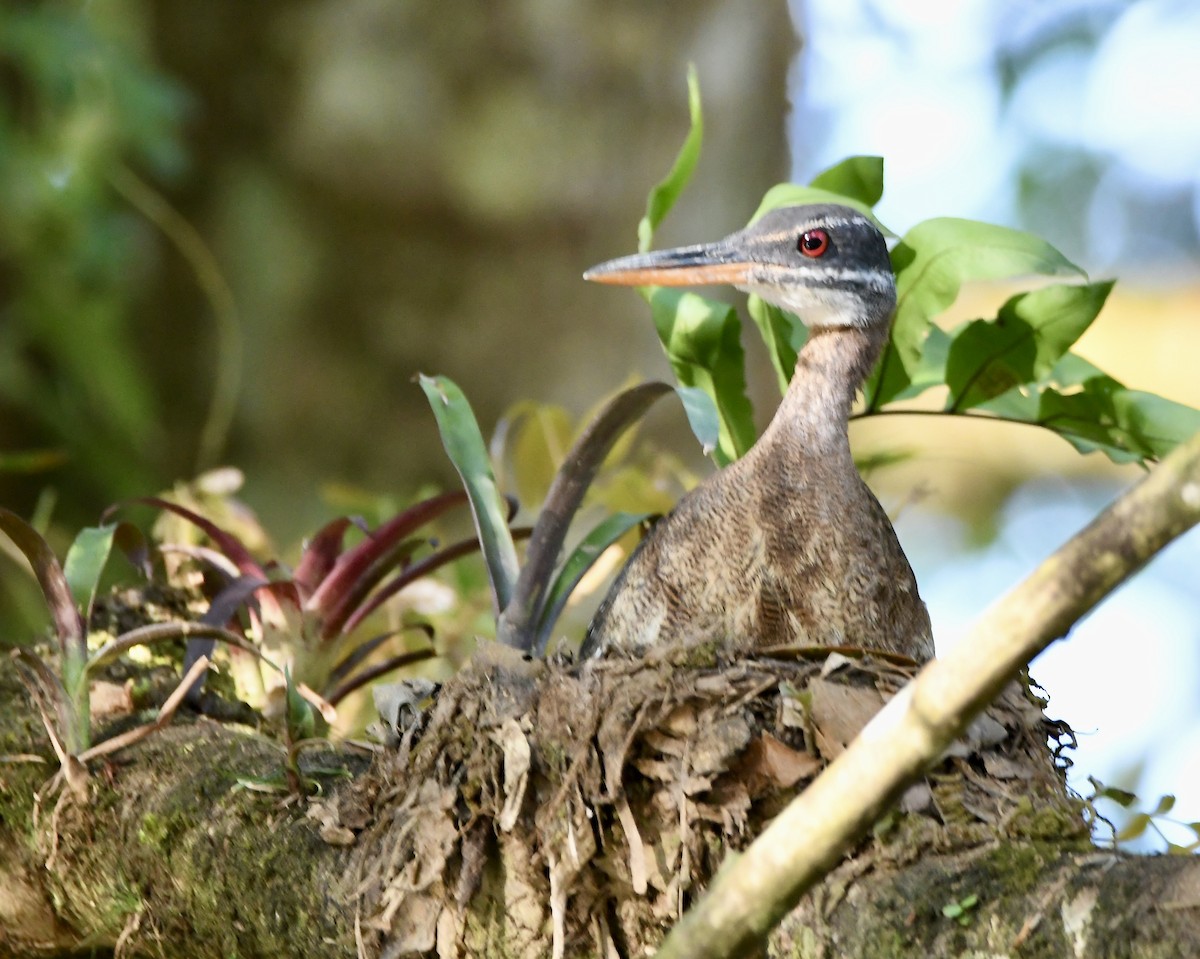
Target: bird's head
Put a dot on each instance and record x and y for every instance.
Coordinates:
(826, 263)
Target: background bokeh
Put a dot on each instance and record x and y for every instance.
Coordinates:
(231, 233)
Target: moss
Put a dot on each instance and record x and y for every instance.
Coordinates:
(153, 831)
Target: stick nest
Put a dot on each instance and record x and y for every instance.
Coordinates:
(560, 808)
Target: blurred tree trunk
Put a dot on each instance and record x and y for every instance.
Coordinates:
(392, 188)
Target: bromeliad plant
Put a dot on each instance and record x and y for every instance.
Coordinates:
(317, 611)
(1016, 366)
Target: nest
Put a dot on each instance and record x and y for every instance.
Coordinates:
(568, 807)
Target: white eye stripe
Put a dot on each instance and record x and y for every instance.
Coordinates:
(825, 275)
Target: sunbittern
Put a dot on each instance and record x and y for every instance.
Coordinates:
(786, 545)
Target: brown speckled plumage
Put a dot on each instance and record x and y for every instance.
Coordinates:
(787, 545)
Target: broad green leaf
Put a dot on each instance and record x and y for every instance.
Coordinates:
(1030, 334)
(932, 262)
(467, 451)
(702, 341)
(601, 537)
(1126, 425)
(782, 332)
(858, 177)
(1122, 797)
(667, 191)
(85, 563)
(892, 381)
(1165, 805)
(1073, 370)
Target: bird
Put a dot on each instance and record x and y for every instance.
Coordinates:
(787, 545)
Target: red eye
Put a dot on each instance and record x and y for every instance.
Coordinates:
(814, 243)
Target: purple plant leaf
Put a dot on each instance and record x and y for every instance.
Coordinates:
(221, 610)
(357, 571)
(320, 554)
(229, 544)
(132, 542)
(423, 567)
(363, 650)
(68, 624)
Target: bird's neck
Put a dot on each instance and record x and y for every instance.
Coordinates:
(830, 370)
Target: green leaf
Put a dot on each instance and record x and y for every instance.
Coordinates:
(85, 563)
(465, 446)
(601, 537)
(1122, 797)
(932, 262)
(301, 718)
(1134, 828)
(1126, 425)
(1030, 334)
(702, 416)
(782, 332)
(667, 191)
(1165, 805)
(702, 341)
(858, 177)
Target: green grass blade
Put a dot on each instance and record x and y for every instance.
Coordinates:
(467, 451)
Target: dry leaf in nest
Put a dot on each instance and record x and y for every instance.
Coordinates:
(769, 766)
(839, 712)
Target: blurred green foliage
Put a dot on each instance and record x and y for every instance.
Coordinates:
(79, 104)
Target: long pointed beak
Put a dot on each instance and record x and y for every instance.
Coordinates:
(701, 265)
